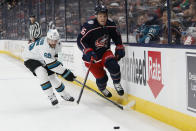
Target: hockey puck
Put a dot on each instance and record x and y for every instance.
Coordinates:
(116, 127)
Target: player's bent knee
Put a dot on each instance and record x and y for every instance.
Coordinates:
(54, 80)
(42, 74)
(112, 65)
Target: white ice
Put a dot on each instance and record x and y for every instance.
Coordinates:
(24, 107)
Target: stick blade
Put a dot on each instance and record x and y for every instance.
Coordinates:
(129, 105)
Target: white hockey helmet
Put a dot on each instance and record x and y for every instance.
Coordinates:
(53, 34)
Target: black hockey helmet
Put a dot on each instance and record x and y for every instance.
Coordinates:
(100, 8)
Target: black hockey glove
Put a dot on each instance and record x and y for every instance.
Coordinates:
(88, 53)
(30, 41)
(56, 56)
(68, 75)
(119, 52)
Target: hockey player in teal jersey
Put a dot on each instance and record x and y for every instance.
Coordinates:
(40, 59)
(149, 34)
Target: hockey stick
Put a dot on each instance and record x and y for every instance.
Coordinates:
(132, 103)
(119, 106)
(83, 85)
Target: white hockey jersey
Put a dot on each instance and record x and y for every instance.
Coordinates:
(41, 51)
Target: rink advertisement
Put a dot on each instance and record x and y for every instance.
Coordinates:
(134, 68)
(66, 56)
(142, 72)
(155, 72)
(13, 48)
(191, 81)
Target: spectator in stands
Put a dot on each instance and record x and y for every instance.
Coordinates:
(189, 21)
(176, 29)
(140, 21)
(11, 3)
(148, 29)
(35, 30)
(189, 18)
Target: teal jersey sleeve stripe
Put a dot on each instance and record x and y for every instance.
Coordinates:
(47, 86)
(61, 88)
(57, 63)
(66, 74)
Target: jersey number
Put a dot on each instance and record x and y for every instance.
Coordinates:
(47, 55)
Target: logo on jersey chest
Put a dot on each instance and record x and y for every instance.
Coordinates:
(102, 41)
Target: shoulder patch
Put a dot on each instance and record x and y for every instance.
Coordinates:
(91, 22)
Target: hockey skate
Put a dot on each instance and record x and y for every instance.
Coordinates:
(67, 97)
(119, 89)
(106, 93)
(53, 99)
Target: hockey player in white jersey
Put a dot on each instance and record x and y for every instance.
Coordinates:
(40, 59)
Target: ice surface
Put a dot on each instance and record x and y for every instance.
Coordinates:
(24, 107)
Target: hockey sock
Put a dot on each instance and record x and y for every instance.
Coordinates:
(114, 69)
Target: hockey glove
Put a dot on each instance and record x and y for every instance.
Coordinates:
(68, 75)
(119, 52)
(88, 53)
(56, 55)
(30, 41)
(147, 40)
